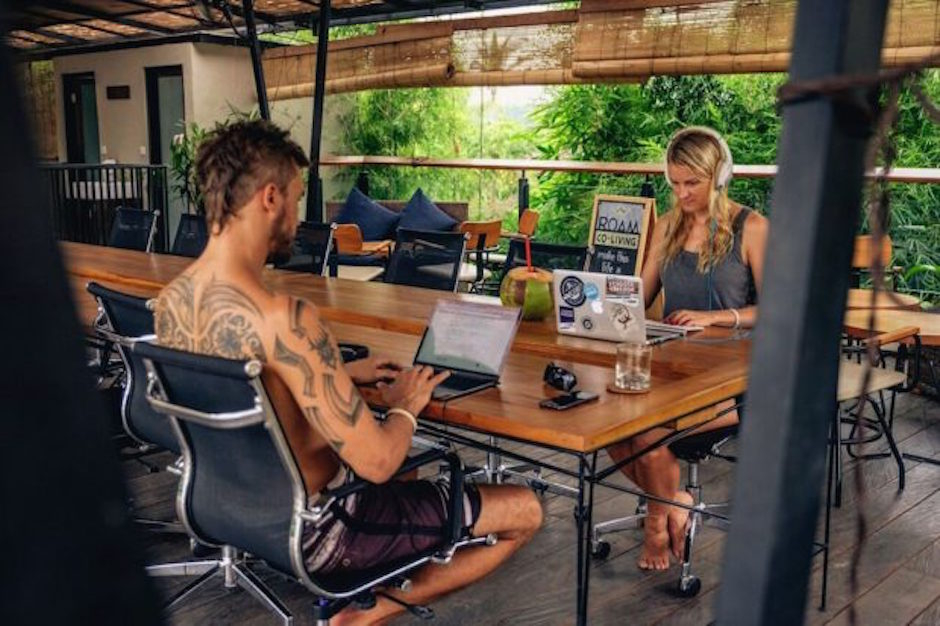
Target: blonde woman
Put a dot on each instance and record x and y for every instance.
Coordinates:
(707, 255)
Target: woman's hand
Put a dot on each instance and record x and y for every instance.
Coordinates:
(372, 369)
(412, 389)
(685, 317)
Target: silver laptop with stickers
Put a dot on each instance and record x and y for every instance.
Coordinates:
(600, 306)
(607, 306)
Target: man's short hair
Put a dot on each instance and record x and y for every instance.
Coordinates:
(236, 160)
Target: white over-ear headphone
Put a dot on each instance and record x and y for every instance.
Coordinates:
(725, 166)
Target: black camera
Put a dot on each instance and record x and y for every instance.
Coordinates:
(559, 378)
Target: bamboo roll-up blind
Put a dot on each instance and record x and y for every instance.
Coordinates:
(649, 37)
(601, 41)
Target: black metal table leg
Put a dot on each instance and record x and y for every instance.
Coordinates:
(581, 566)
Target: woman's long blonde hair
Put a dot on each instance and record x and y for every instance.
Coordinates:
(703, 155)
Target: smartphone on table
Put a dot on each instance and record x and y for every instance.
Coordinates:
(568, 400)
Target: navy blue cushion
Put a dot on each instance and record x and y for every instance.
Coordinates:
(374, 220)
(422, 214)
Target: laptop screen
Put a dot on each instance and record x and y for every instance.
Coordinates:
(469, 337)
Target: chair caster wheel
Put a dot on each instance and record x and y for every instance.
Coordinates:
(689, 586)
(600, 550)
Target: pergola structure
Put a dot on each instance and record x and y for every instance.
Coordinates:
(815, 204)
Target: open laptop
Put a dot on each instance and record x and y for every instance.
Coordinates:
(607, 306)
(472, 341)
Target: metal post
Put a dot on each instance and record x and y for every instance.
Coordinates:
(795, 354)
(314, 182)
(249, 7)
(523, 193)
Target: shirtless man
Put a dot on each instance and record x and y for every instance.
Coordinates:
(250, 175)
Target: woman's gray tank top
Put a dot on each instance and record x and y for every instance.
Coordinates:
(730, 280)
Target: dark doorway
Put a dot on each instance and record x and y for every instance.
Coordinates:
(81, 118)
(166, 118)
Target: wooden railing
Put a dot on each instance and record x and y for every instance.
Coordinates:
(896, 175)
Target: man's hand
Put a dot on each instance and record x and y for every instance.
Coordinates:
(372, 369)
(684, 317)
(412, 389)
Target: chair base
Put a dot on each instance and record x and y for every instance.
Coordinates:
(235, 574)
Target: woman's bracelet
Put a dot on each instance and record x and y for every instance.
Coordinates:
(737, 318)
(405, 413)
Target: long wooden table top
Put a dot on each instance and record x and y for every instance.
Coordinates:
(687, 375)
(376, 305)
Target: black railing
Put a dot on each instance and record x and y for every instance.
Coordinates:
(84, 198)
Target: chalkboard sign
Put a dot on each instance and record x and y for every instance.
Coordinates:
(619, 229)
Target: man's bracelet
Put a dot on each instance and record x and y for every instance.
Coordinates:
(737, 318)
(405, 413)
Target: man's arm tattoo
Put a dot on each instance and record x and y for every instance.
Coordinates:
(347, 409)
(288, 357)
(322, 424)
(322, 344)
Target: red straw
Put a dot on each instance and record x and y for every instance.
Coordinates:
(528, 254)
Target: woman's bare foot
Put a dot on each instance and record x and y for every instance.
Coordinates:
(678, 522)
(655, 552)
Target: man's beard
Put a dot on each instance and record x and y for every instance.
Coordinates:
(282, 240)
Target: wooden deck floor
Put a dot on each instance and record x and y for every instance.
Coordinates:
(899, 577)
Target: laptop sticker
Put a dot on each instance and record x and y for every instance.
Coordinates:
(591, 291)
(623, 290)
(587, 323)
(621, 318)
(566, 315)
(572, 291)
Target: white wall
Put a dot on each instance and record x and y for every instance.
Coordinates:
(214, 76)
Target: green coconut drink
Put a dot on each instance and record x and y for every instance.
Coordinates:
(530, 289)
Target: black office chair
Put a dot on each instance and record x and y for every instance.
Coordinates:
(424, 258)
(133, 229)
(548, 256)
(243, 490)
(312, 250)
(192, 235)
(124, 320)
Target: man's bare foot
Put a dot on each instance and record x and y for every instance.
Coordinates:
(654, 555)
(678, 522)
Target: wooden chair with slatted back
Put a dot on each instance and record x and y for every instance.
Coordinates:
(528, 221)
(483, 238)
(865, 252)
(352, 250)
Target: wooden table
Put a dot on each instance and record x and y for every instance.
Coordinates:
(861, 299)
(687, 376)
(856, 324)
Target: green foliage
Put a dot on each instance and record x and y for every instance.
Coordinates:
(633, 123)
(437, 122)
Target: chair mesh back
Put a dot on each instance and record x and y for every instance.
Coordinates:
(427, 259)
(239, 491)
(131, 229)
(192, 235)
(130, 318)
(311, 249)
(548, 256)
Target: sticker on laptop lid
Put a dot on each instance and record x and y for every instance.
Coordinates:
(566, 316)
(572, 291)
(587, 323)
(590, 291)
(620, 317)
(622, 289)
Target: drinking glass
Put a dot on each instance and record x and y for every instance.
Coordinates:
(632, 370)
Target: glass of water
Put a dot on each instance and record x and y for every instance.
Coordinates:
(632, 370)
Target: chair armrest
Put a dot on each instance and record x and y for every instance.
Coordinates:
(891, 336)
